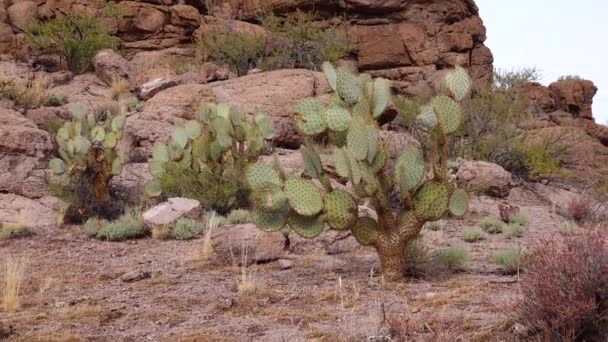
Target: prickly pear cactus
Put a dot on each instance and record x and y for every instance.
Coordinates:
(220, 140)
(350, 121)
(89, 146)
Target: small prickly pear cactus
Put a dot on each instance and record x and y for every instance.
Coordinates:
(350, 120)
(88, 150)
(221, 140)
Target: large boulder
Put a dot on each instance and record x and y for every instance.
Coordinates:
(574, 96)
(21, 14)
(15, 208)
(245, 244)
(172, 210)
(484, 178)
(109, 65)
(21, 136)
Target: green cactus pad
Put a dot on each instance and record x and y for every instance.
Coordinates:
(110, 140)
(57, 166)
(312, 162)
(201, 148)
(342, 163)
(355, 169)
(193, 129)
(458, 83)
(153, 188)
(339, 138)
(236, 116)
(204, 112)
(427, 117)
(409, 169)
(340, 209)
(362, 108)
(271, 221)
(459, 203)
(268, 197)
(380, 160)
(372, 140)
(259, 174)
(186, 161)
(382, 96)
(160, 152)
(330, 74)
(306, 226)
(216, 151)
(346, 86)
(223, 111)
(264, 125)
(370, 181)
(98, 134)
(449, 113)
(431, 201)
(240, 133)
(308, 106)
(338, 118)
(357, 139)
(175, 151)
(118, 123)
(311, 124)
(63, 134)
(157, 168)
(303, 196)
(365, 230)
(180, 136)
(117, 167)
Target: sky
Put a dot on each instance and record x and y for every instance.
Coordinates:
(558, 37)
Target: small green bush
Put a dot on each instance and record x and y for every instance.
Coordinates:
(492, 225)
(76, 38)
(513, 230)
(472, 234)
(93, 225)
(519, 218)
(237, 216)
(186, 229)
(417, 259)
(570, 78)
(506, 79)
(509, 259)
(567, 228)
(455, 258)
(130, 225)
(240, 50)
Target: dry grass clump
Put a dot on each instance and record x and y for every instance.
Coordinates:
(33, 91)
(454, 258)
(510, 259)
(119, 86)
(472, 234)
(580, 209)
(20, 229)
(492, 225)
(128, 226)
(13, 271)
(567, 228)
(513, 230)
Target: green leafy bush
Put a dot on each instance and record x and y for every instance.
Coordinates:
(570, 78)
(509, 259)
(237, 216)
(492, 225)
(455, 258)
(129, 226)
(240, 50)
(507, 79)
(186, 229)
(519, 218)
(513, 230)
(472, 234)
(76, 38)
(417, 260)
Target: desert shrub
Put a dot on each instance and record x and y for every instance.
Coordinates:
(507, 79)
(472, 234)
(513, 230)
(241, 51)
(509, 259)
(237, 216)
(567, 228)
(75, 38)
(417, 259)
(542, 160)
(492, 225)
(580, 209)
(454, 258)
(93, 225)
(129, 226)
(32, 91)
(14, 231)
(519, 218)
(565, 287)
(435, 226)
(570, 78)
(57, 100)
(298, 41)
(186, 229)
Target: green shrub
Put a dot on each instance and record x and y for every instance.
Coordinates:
(492, 225)
(509, 259)
(519, 218)
(567, 228)
(240, 50)
(76, 38)
(570, 78)
(505, 79)
(93, 225)
(472, 234)
(513, 230)
(186, 229)
(454, 258)
(129, 226)
(237, 216)
(542, 160)
(417, 259)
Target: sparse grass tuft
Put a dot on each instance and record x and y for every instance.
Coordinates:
(455, 258)
(580, 209)
(418, 260)
(13, 276)
(492, 225)
(513, 230)
(237, 216)
(161, 232)
(472, 234)
(31, 92)
(186, 229)
(119, 86)
(435, 225)
(519, 218)
(567, 228)
(509, 259)
(128, 226)
(15, 232)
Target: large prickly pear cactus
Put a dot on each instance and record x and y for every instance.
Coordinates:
(219, 144)
(88, 150)
(350, 120)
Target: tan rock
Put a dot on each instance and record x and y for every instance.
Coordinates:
(110, 65)
(172, 210)
(15, 208)
(20, 136)
(149, 19)
(575, 97)
(485, 178)
(21, 13)
(246, 244)
(6, 38)
(185, 15)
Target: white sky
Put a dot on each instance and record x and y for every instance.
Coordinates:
(558, 37)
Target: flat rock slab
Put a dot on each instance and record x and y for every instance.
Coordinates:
(172, 210)
(244, 244)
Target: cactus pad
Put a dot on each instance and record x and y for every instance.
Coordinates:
(458, 83)
(330, 74)
(57, 166)
(365, 230)
(342, 163)
(306, 226)
(427, 117)
(117, 167)
(312, 162)
(431, 201)
(449, 113)
(372, 140)
(264, 125)
(338, 118)
(271, 221)
(311, 124)
(111, 140)
(355, 169)
(259, 175)
(98, 134)
(160, 152)
(380, 160)
(268, 197)
(157, 168)
(153, 188)
(409, 169)
(308, 107)
(118, 123)
(382, 96)
(346, 86)
(193, 129)
(459, 203)
(303, 197)
(357, 139)
(340, 209)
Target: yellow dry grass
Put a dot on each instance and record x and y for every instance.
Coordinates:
(13, 276)
(119, 86)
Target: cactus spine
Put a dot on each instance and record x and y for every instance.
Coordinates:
(350, 120)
